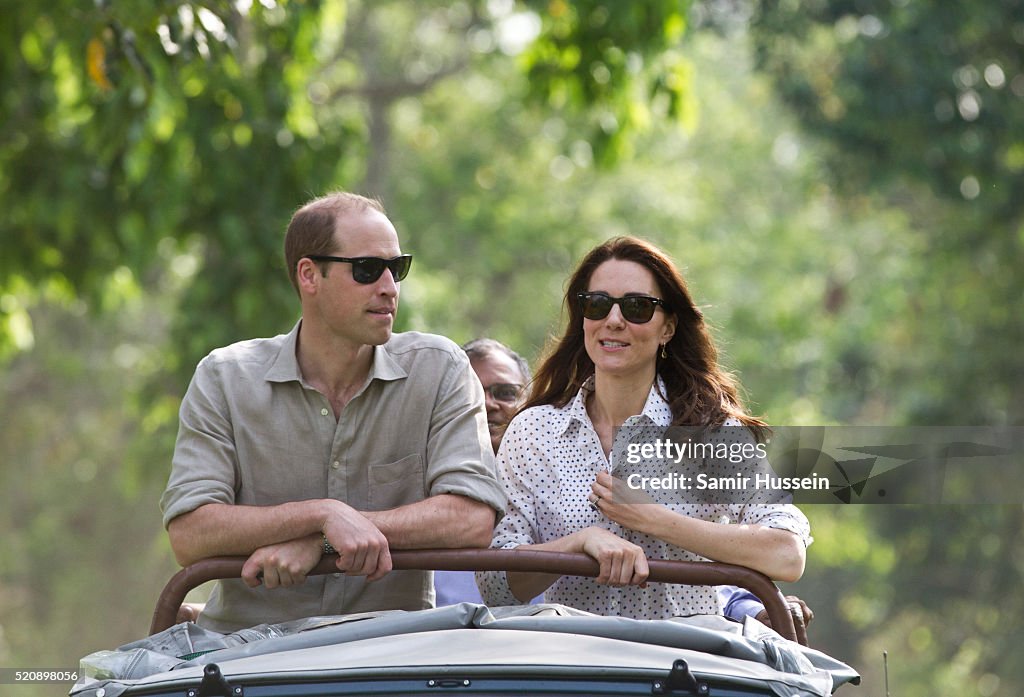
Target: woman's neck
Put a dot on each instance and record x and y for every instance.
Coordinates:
(617, 398)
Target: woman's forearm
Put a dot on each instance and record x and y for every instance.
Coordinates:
(779, 554)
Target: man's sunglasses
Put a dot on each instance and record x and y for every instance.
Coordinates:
(504, 392)
(635, 308)
(369, 269)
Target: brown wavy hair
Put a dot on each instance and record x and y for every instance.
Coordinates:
(700, 393)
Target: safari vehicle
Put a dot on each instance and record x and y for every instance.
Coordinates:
(470, 650)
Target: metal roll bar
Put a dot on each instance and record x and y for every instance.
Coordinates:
(564, 563)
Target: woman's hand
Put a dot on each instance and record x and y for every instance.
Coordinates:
(631, 508)
(776, 552)
(622, 562)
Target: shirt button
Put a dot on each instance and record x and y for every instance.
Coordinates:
(337, 575)
(323, 412)
(335, 465)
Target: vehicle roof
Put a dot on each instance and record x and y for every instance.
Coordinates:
(544, 640)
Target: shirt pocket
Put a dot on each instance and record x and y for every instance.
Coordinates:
(394, 484)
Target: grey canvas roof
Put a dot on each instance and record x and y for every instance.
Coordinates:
(467, 640)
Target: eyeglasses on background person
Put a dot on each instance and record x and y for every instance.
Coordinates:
(504, 392)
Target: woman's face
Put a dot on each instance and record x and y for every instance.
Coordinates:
(619, 347)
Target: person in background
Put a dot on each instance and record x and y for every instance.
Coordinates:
(738, 603)
(635, 360)
(338, 436)
(504, 375)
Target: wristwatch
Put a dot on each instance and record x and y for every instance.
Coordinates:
(328, 547)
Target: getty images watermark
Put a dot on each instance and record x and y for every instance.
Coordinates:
(830, 464)
(734, 453)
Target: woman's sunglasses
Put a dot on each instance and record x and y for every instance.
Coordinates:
(635, 308)
(369, 269)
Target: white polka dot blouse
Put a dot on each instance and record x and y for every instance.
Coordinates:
(550, 456)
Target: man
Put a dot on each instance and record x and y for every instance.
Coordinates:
(337, 436)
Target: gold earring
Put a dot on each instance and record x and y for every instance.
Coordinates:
(664, 353)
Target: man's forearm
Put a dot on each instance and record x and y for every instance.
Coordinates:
(225, 529)
(445, 520)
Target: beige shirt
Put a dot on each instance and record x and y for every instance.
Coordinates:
(254, 432)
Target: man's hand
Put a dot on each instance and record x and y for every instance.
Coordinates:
(283, 564)
(362, 548)
(622, 562)
(801, 612)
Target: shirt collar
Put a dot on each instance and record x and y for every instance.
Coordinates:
(656, 409)
(285, 367)
(385, 367)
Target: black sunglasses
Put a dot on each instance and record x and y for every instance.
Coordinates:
(635, 308)
(369, 269)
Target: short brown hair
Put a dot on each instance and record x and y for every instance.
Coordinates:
(311, 229)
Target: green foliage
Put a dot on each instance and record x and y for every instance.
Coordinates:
(920, 103)
(83, 553)
(622, 60)
(933, 586)
(928, 85)
(185, 139)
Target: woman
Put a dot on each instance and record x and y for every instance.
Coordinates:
(635, 365)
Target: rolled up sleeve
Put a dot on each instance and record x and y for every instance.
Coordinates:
(781, 516)
(460, 460)
(204, 466)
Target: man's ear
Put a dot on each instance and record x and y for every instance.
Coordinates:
(307, 275)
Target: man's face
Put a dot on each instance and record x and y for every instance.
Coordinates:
(501, 379)
(359, 313)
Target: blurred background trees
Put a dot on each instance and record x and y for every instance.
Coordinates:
(840, 181)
